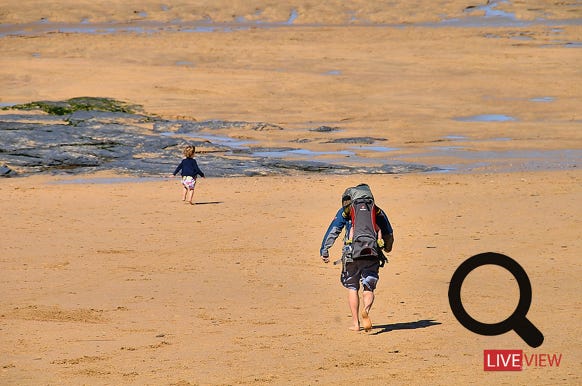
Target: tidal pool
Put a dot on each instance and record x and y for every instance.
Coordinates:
(487, 118)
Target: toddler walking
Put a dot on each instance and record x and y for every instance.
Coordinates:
(190, 170)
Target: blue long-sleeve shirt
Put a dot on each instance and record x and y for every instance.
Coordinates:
(189, 167)
(340, 222)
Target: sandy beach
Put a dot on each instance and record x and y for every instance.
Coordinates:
(123, 283)
(109, 278)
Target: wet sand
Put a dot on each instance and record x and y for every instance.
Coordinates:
(415, 84)
(122, 283)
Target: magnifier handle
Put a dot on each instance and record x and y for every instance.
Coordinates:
(529, 333)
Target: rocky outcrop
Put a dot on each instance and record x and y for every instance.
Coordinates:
(90, 134)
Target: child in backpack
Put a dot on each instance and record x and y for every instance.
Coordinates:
(189, 170)
(361, 272)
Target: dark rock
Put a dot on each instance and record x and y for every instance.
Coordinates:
(325, 129)
(266, 127)
(357, 140)
(102, 134)
(5, 171)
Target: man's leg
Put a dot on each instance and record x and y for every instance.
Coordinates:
(354, 302)
(368, 299)
(369, 281)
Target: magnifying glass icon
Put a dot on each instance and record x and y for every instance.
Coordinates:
(517, 321)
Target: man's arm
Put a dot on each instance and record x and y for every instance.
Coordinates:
(386, 228)
(333, 231)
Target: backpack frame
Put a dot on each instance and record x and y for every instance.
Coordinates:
(364, 231)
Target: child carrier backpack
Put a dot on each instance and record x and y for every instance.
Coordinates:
(364, 234)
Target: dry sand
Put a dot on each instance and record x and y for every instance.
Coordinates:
(123, 283)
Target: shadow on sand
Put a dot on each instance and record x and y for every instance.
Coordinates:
(404, 326)
(208, 202)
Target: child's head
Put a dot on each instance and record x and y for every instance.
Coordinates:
(189, 151)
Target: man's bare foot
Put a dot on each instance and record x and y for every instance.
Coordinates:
(366, 322)
(354, 328)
